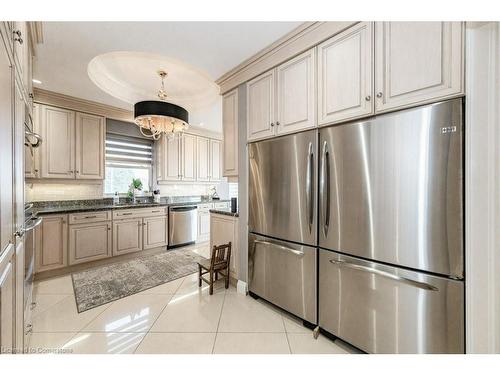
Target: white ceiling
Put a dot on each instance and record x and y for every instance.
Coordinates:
(211, 47)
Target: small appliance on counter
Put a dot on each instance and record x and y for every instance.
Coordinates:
(156, 196)
(234, 205)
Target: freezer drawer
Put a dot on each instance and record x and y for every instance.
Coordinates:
(384, 309)
(284, 274)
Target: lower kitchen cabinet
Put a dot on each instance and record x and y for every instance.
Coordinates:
(127, 236)
(51, 243)
(7, 298)
(19, 295)
(88, 242)
(155, 232)
(224, 229)
(203, 225)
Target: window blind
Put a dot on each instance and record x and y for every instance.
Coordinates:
(128, 152)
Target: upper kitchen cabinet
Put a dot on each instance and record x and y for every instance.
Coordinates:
(282, 100)
(260, 106)
(203, 163)
(188, 159)
(90, 136)
(168, 153)
(417, 62)
(73, 144)
(345, 66)
(57, 153)
(215, 160)
(230, 133)
(295, 94)
(31, 154)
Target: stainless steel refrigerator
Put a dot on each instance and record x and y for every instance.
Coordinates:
(283, 222)
(391, 262)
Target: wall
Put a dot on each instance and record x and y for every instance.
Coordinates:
(482, 188)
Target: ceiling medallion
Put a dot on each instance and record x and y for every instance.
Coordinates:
(157, 117)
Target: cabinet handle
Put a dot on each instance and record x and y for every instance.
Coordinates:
(70, 172)
(127, 213)
(109, 228)
(32, 305)
(77, 171)
(272, 124)
(90, 217)
(368, 98)
(18, 36)
(155, 211)
(379, 94)
(277, 123)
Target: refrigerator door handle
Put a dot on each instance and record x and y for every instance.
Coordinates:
(417, 284)
(325, 188)
(309, 189)
(289, 249)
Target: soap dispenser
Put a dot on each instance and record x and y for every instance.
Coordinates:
(116, 198)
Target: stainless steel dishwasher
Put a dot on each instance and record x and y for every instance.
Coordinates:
(182, 225)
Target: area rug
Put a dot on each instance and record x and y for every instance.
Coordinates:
(98, 286)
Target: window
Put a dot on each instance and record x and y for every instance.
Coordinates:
(127, 158)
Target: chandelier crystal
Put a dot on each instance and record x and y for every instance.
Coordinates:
(157, 117)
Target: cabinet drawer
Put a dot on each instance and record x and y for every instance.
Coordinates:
(385, 309)
(139, 212)
(89, 217)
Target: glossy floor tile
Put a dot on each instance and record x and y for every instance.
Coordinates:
(244, 314)
(251, 343)
(305, 343)
(136, 313)
(63, 317)
(190, 286)
(104, 343)
(45, 301)
(49, 342)
(177, 343)
(58, 285)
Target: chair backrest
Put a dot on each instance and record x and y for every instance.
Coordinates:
(221, 255)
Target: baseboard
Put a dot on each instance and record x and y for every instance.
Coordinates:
(242, 287)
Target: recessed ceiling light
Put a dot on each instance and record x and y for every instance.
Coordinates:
(37, 81)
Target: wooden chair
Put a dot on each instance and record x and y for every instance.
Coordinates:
(218, 262)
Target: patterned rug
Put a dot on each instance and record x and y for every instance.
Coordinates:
(98, 286)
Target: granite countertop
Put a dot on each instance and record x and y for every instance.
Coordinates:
(66, 207)
(226, 212)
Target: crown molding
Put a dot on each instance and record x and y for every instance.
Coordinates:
(36, 34)
(305, 36)
(83, 105)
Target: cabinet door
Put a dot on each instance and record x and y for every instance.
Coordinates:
(51, 243)
(417, 62)
(188, 158)
(172, 156)
(224, 230)
(295, 94)
(203, 163)
(21, 43)
(31, 155)
(155, 232)
(89, 150)
(57, 149)
(19, 276)
(203, 226)
(345, 66)
(7, 299)
(127, 236)
(89, 242)
(260, 106)
(160, 157)
(215, 167)
(230, 133)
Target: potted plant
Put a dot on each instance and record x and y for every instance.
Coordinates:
(135, 188)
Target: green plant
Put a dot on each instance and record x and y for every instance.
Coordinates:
(136, 183)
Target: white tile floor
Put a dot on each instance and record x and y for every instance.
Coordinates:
(176, 317)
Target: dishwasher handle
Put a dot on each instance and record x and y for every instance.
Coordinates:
(183, 208)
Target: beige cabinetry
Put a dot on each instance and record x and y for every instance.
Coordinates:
(188, 158)
(204, 221)
(57, 153)
(88, 242)
(260, 106)
(155, 232)
(31, 155)
(127, 236)
(7, 299)
(283, 100)
(89, 146)
(51, 243)
(19, 289)
(172, 159)
(345, 75)
(417, 62)
(230, 134)
(224, 229)
(215, 160)
(295, 94)
(203, 163)
(73, 144)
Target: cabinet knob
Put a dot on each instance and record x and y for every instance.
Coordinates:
(368, 98)
(277, 123)
(379, 94)
(272, 123)
(18, 36)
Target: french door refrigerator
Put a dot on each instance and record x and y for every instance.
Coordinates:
(391, 267)
(283, 222)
